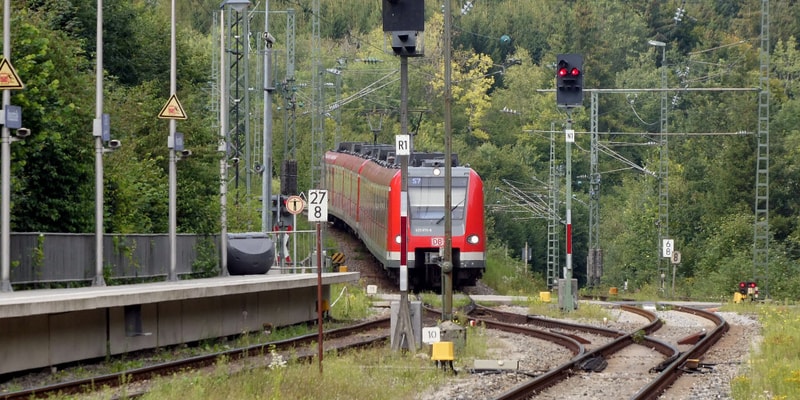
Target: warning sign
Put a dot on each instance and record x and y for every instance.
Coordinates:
(337, 258)
(9, 80)
(172, 110)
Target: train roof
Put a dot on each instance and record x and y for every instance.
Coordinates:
(384, 154)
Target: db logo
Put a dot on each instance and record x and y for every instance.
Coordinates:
(437, 242)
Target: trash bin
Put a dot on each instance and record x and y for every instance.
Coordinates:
(250, 253)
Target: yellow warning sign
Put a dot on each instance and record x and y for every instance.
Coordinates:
(172, 110)
(9, 80)
(337, 258)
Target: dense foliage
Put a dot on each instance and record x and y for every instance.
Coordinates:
(711, 172)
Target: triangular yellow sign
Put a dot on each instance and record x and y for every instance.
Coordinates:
(172, 110)
(8, 76)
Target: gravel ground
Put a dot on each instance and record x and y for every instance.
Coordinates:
(727, 358)
(713, 383)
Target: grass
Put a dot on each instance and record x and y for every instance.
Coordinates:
(773, 371)
(377, 373)
(358, 375)
(510, 277)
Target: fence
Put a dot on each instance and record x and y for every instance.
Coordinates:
(65, 257)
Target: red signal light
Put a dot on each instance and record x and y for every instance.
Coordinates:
(753, 284)
(742, 284)
(743, 287)
(562, 72)
(575, 72)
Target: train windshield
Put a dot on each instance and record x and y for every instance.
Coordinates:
(426, 197)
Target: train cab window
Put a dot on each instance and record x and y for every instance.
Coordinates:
(426, 198)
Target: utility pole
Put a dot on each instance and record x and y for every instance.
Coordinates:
(317, 115)
(447, 263)
(594, 263)
(761, 224)
(663, 166)
(266, 156)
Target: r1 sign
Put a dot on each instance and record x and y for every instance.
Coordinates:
(317, 205)
(402, 145)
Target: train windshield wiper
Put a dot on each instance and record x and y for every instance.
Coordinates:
(451, 210)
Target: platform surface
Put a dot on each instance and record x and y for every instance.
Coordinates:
(49, 301)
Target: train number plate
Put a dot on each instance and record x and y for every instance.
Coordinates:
(437, 242)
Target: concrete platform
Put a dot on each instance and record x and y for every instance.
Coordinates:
(48, 301)
(43, 328)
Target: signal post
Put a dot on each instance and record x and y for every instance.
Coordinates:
(569, 94)
(404, 19)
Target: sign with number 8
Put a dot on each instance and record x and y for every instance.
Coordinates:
(317, 205)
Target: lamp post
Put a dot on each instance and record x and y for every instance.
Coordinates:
(5, 165)
(663, 176)
(173, 173)
(98, 147)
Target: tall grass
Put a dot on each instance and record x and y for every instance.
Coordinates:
(773, 371)
(349, 302)
(511, 277)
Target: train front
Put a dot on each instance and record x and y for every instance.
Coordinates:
(426, 234)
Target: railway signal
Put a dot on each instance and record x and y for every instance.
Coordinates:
(752, 289)
(569, 80)
(743, 287)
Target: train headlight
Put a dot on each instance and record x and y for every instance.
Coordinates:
(437, 172)
(473, 239)
(398, 239)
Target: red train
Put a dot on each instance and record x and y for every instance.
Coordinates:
(364, 184)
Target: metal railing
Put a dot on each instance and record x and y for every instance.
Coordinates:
(46, 258)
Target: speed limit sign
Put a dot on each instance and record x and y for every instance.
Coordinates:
(317, 205)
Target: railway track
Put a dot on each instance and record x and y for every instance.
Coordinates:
(360, 335)
(612, 357)
(587, 349)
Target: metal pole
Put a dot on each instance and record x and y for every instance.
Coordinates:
(266, 177)
(294, 243)
(447, 264)
(570, 137)
(319, 296)
(5, 208)
(97, 132)
(223, 149)
(664, 178)
(172, 161)
(403, 330)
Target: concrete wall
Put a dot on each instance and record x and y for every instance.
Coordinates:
(45, 340)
